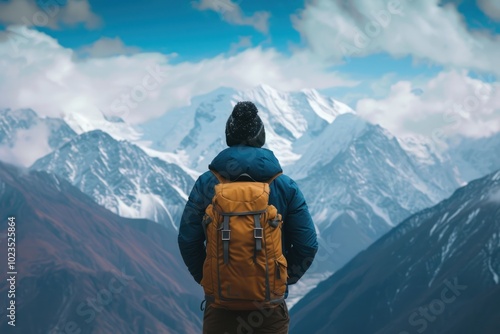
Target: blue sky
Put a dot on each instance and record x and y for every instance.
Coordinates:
(372, 54)
(177, 27)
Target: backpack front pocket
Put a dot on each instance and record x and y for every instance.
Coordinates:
(281, 276)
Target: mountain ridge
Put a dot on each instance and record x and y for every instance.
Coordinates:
(121, 177)
(392, 283)
(81, 267)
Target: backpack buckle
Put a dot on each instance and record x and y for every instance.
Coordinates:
(226, 235)
(258, 233)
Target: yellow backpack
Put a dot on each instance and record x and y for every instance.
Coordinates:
(245, 268)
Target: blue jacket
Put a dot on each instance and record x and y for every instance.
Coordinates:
(299, 235)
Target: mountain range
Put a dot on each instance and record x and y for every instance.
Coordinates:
(347, 168)
(359, 180)
(436, 272)
(83, 269)
(360, 183)
(196, 132)
(121, 177)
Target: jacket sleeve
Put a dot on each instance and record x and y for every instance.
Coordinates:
(299, 234)
(191, 236)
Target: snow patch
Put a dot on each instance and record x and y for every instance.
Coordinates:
(124, 210)
(180, 159)
(421, 148)
(390, 163)
(151, 205)
(446, 252)
(378, 211)
(180, 191)
(457, 212)
(447, 249)
(441, 235)
(496, 277)
(87, 120)
(304, 286)
(472, 215)
(438, 223)
(321, 216)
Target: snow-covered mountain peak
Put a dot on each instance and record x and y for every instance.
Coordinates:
(324, 106)
(291, 120)
(266, 90)
(335, 139)
(94, 119)
(121, 177)
(359, 183)
(302, 102)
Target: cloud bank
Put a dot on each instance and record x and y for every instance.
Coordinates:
(119, 80)
(29, 145)
(450, 103)
(426, 30)
(37, 72)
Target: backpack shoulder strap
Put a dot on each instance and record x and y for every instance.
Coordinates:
(273, 178)
(219, 177)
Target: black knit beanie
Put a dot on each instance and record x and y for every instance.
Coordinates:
(244, 126)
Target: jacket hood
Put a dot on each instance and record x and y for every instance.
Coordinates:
(259, 163)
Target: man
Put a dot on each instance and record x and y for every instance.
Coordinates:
(245, 159)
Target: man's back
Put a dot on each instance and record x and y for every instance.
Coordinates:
(252, 163)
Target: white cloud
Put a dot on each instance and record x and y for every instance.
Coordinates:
(37, 72)
(29, 145)
(105, 47)
(49, 14)
(244, 42)
(382, 86)
(232, 13)
(490, 8)
(337, 30)
(450, 103)
(76, 11)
